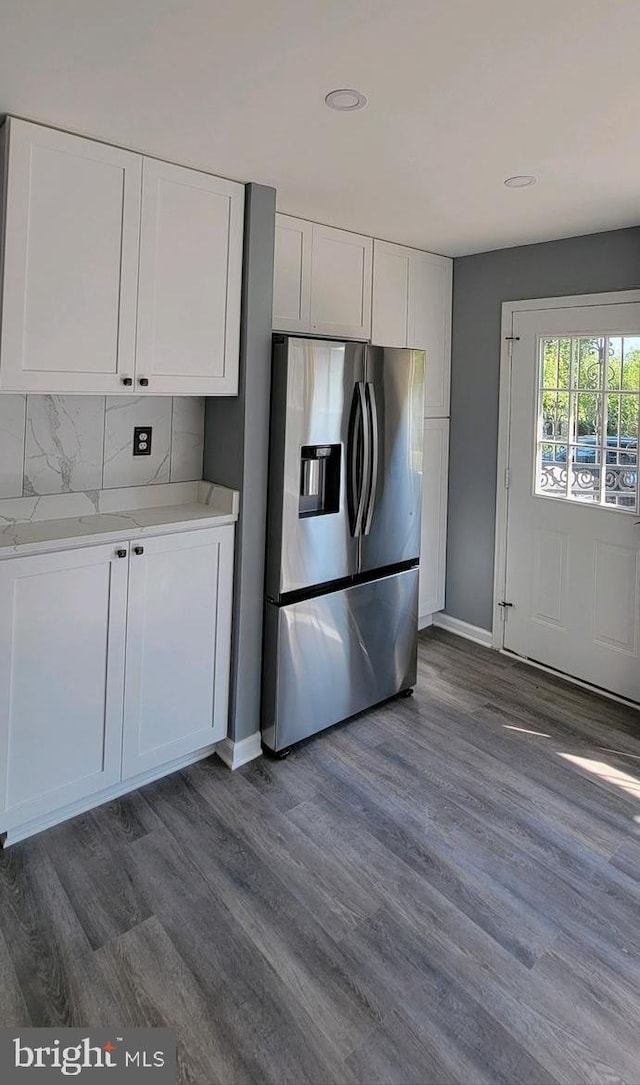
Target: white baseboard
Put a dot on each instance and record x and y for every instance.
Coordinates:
(464, 629)
(235, 754)
(425, 620)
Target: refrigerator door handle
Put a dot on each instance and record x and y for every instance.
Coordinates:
(359, 459)
(372, 425)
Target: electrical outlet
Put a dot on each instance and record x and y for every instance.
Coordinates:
(142, 440)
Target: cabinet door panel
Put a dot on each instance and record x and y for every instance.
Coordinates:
(430, 325)
(61, 679)
(178, 645)
(435, 467)
(190, 281)
(71, 256)
(390, 299)
(292, 274)
(341, 283)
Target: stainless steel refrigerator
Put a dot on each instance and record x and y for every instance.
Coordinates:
(343, 538)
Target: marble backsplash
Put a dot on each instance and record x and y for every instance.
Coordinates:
(70, 444)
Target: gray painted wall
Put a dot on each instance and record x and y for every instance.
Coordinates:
(578, 265)
(235, 454)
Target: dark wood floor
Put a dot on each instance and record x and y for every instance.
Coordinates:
(445, 890)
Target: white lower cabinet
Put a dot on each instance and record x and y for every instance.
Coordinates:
(433, 552)
(145, 625)
(178, 625)
(62, 645)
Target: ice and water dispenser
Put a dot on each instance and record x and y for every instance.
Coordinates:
(319, 479)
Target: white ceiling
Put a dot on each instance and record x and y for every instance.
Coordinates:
(462, 93)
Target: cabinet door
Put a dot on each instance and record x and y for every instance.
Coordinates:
(178, 646)
(390, 298)
(62, 621)
(292, 275)
(341, 283)
(435, 469)
(190, 282)
(72, 216)
(430, 325)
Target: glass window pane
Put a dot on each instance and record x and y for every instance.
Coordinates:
(587, 440)
(590, 353)
(556, 354)
(555, 414)
(587, 414)
(584, 476)
(630, 363)
(552, 470)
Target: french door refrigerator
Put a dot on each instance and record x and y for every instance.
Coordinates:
(343, 533)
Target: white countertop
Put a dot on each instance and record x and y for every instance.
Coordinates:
(214, 506)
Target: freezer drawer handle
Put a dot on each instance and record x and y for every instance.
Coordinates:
(372, 481)
(359, 459)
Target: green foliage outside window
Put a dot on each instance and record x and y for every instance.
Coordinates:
(580, 364)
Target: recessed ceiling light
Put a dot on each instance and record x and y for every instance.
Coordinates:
(345, 100)
(521, 180)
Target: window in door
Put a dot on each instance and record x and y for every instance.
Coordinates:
(587, 432)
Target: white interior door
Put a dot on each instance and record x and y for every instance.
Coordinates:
(572, 568)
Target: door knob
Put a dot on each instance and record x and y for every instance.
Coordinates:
(143, 382)
(121, 553)
(138, 550)
(127, 381)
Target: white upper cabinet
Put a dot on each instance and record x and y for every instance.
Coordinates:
(322, 280)
(292, 274)
(390, 323)
(430, 306)
(120, 274)
(71, 217)
(190, 279)
(412, 308)
(340, 283)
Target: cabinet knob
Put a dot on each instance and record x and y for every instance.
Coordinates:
(143, 382)
(127, 381)
(138, 550)
(121, 553)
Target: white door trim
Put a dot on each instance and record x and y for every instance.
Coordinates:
(509, 308)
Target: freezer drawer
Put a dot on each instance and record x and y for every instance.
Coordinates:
(330, 657)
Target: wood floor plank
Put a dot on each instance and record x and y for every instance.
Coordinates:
(315, 875)
(156, 989)
(393, 1054)
(89, 865)
(427, 895)
(60, 980)
(263, 1031)
(13, 1008)
(286, 933)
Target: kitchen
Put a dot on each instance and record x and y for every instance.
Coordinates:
(161, 310)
